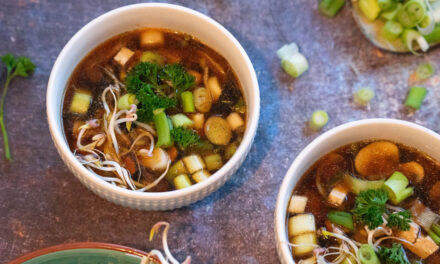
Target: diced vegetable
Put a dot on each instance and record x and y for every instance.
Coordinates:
(411, 234)
(391, 30)
(213, 162)
(358, 185)
(217, 130)
(386, 4)
(163, 130)
(152, 57)
(151, 38)
(307, 241)
(425, 71)
(214, 88)
(175, 170)
(188, 102)
(199, 120)
(363, 96)
(80, 102)
(343, 219)
(201, 176)
(377, 160)
(127, 100)
(230, 150)
(369, 8)
(434, 237)
(396, 187)
(235, 121)
(413, 171)
(331, 7)
(194, 163)
(297, 204)
(301, 224)
(157, 162)
(422, 215)
(409, 36)
(337, 195)
(181, 120)
(123, 56)
(202, 100)
(318, 120)
(182, 181)
(367, 255)
(434, 36)
(295, 65)
(423, 247)
(436, 229)
(391, 14)
(412, 13)
(415, 97)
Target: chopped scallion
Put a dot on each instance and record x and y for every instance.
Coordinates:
(318, 119)
(163, 130)
(415, 97)
(425, 71)
(331, 7)
(386, 5)
(188, 102)
(436, 229)
(343, 219)
(369, 8)
(367, 255)
(363, 96)
(397, 189)
(293, 62)
(391, 30)
(412, 13)
(434, 237)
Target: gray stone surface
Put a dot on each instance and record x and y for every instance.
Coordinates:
(42, 204)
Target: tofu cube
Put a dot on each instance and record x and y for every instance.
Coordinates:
(123, 56)
(301, 224)
(235, 121)
(338, 195)
(297, 204)
(423, 247)
(151, 38)
(309, 242)
(214, 88)
(410, 235)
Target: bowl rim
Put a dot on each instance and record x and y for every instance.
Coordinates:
(62, 146)
(284, 192)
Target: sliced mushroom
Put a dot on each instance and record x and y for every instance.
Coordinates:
(377, 160)
(158, 160)
(413, 171)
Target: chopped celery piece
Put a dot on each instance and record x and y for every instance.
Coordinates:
(411, 13)
(152, 57)
(181, 120)
(331, 7)
(425, 71)
(369, 8)
(396, 186)
(318, 120)
(434, 237)
(343, 219)
(358, 185)
(367, 255)
(391, 14)
(188, 102)
(295, 65)
(386, 5)
(163, 130)
(363, 96)
(391, 30)
(175, 170)
(415, 97)
(182, 181)
(126, 101)
(434, 36)
(80, 103)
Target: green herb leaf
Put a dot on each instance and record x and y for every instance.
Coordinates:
(400, 220)
(370, 206)
(393, 255)
(149, 101)
(185, 137)
(176, 74)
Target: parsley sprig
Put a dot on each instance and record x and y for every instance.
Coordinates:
(185, 137)
(15, 66)
(393, 255)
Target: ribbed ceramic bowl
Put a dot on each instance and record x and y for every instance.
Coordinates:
(160, 16)
(399, 131)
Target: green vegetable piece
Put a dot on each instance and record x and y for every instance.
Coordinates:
(370, 206)
(396, 186)
(240, 106)
(331, 8)
(411, 13)
(434, 237)
(343, 219)
(409, 36)
(80, 103)
(213, 162)
(425, 71)
(370, 9)
(434, 36)
(177, 169)
(436, 229)
(163, 130)
(392, 13)
(181, 120)
(295, 65)
(185, 137)
(425, 21)
(415, 97)
(188, 102)
(358, 185)
(182, 181)
(393, 255)
(391, 30)
(127, 100)
(318, 120)
(152, 57)
(230, 150)
(367, 255)
(400, 220)
(386, 5)
(363, 96)
(15, 66)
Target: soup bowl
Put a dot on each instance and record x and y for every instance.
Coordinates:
(155, 15)
(407, 133)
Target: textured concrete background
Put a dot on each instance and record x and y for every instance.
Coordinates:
(42, 204)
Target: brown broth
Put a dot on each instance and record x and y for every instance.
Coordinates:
(319, 207)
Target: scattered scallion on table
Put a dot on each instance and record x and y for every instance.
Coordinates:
(331, 7)
(15, 66)
(363, 96)
(425, 71)
(415, 97)
(292, 61)
(318, 120)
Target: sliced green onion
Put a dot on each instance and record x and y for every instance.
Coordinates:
(391, 14)
(408, 38)
(434, 36)
(318, 119)
(386, 5)
(181, 120)
(434, 237)
(412, 13)
(182, 181)
(369, 8)
(343, 219)
(163, 130)
(436, 229)
(415, 97)
(358, 185)
(177, 169)
(295, 65)
(152, 57)
(425, 71)
(126, 101)
(396, 186)
(363, 96)
(391, 30)
(188, 102)
(367, 255)
(287, 51)
(331, 7)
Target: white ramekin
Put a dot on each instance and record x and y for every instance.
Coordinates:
(160, 16)
(404, 132)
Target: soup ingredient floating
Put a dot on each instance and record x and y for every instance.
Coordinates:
(367, 203)
(292, 61)
(15, 66)
(158, 111)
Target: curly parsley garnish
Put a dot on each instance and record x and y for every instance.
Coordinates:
(393, 255)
